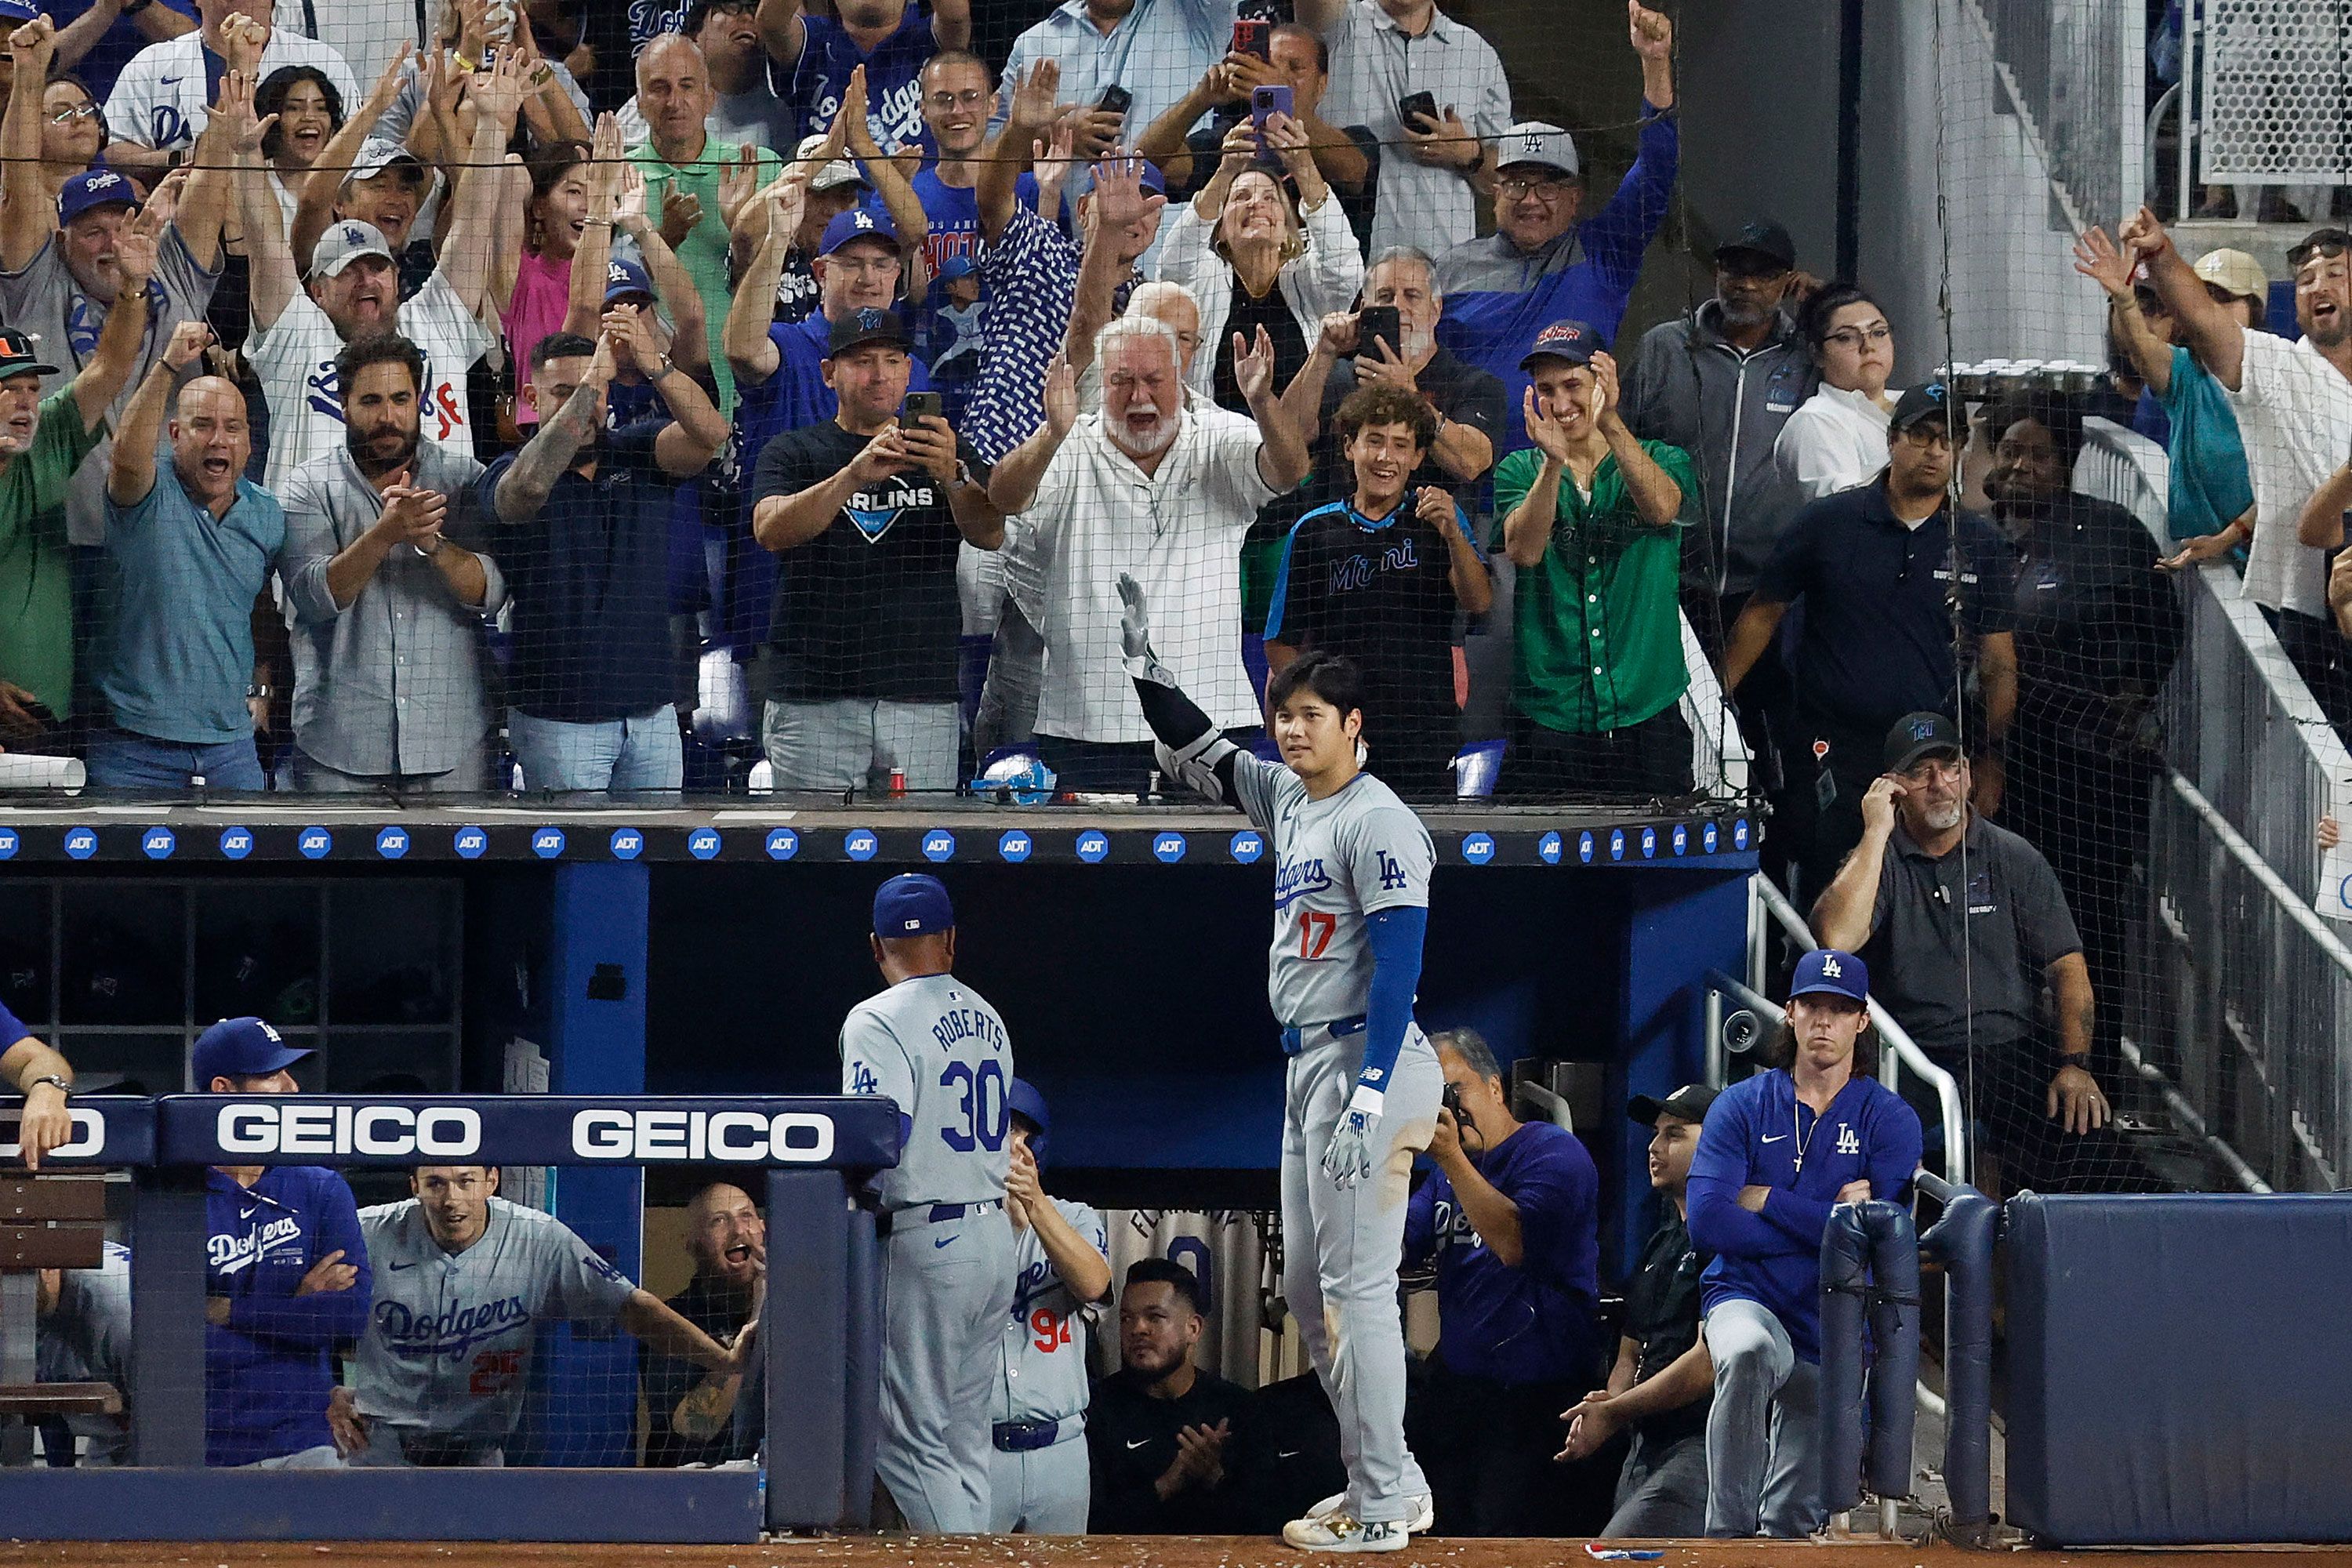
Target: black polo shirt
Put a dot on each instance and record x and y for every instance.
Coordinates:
(2095, 620)
(1878, 637)
(1923, 965)
(1130, 1443)
(1662, 1312)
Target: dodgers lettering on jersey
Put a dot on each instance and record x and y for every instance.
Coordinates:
(440, 408)
(1337, 860)
(937, 1047)
(1043, 1370)
(448, 1342)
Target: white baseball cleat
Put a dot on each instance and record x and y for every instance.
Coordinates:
(1422, 1519)
(1340, 1532)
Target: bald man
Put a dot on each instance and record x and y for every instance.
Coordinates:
(191, 551)
(696, 1417)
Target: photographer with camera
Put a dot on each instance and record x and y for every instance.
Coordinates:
(1511, 1215)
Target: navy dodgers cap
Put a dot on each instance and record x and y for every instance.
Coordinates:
(241, 1047)
(914, 904)
(1826, 970)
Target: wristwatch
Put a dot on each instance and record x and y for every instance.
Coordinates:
(52, 1080)
(662, 369)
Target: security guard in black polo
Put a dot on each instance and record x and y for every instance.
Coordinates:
(1881, 569)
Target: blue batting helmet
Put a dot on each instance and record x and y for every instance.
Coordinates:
(1023, 1101)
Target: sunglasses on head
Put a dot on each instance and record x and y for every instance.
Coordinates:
(2330, 243)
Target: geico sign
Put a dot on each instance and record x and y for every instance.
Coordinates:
(89, 1136)
(443, 1132)
(794, 1136)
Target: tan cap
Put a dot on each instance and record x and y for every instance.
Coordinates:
(2236, 271)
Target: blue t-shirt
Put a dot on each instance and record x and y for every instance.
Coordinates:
(894, 88)
(115, 45)
(179, 655)
(2210, 489)
(1757, 1133)
(1532, 1322)
(266, 1372)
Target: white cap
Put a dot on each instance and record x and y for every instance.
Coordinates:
(839, 172)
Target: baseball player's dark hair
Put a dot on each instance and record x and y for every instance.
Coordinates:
(1381, 404)
(559, 345)
(1781, 1052)
(377, 348)
(1334, 678)
(1472, 1048)
(2056, 412)
(1168, 1272)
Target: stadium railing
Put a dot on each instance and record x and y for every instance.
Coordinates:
(819, 1332)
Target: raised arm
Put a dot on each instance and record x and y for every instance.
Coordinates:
(1187, 743)
(2215, 334)
(1847, 910)
(1283, 460)
(890, 183)
(1029, 119)
(157, 22)
(697, 429)
(524, 488)
(130, 471)
(1012, 483)
(275, 279)
(2322, 522)
(1163, 140)
(497, 95)
(951, 24)
(2096, 258)
(314, 205)
(1657, 498)
(108, 370)
(28, 218)
(673, 285)
(1119, 202)
(783, 31)
(207, 186)
(1304, 395)
(751, 352)
(584, 307)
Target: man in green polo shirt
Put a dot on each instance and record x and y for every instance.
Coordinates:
(41, 443)
(683, 166)
(1589, 519)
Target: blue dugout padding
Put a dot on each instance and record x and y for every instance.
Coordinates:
(2179, 1368)
(819, 1332)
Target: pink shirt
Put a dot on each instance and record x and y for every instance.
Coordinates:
(542, 296)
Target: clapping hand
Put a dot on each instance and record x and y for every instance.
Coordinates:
(1606, 385)
(412, 516)
(625, 328)
(1200, 1458)
(681, 212)
(1254, 367)
(1548, 434)
(739, 183)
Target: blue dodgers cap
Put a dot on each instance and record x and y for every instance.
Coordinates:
(956, 266)
(858, 223)
(241, 1047)
(626, 281)
(913, 904)
(92, 189)
(1827, 971)
(1571, 341)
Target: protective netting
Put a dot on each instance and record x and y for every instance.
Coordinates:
(666, 403)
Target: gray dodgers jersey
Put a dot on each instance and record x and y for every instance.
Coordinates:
(1044, 1361)
(449, 1341)
(935, 1046)
(1337, 860)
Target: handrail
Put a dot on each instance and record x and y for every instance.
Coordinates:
(2302, 913)
(1900, 1047)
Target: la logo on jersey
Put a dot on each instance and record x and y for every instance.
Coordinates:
(1391, 873)
(1848, 1143)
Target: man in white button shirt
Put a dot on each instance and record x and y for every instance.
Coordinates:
(1150, 489)
(162, 100)
(2293, 403)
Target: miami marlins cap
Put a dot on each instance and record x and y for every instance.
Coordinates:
(92, 189)
(1571, 341)
(830, 176)
(913, 904)
(345, 241)
(858, 223)
(1539, 143)
(626, 281)
(863, 329)
(1687, 1103)
(1919, 735)
(1921, 404)
(1826, 971)
(241, 1047)
(20, 357)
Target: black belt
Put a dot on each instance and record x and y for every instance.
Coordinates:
(1026, 1437)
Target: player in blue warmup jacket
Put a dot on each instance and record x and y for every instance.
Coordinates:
(1776, 1151)
(1350, 906)
(285, 1277)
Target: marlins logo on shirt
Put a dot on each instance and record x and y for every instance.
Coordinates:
(873, 511)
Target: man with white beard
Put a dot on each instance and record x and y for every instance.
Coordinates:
(1150, 489)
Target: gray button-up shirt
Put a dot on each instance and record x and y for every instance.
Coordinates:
(391, 683)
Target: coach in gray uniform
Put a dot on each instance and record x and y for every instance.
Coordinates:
(935, 1046)
(468, 1278)
(1039, 1481)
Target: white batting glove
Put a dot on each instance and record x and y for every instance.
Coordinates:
(1135, 634)
(1348, 1158)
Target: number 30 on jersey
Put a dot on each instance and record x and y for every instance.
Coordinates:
(984, 1108)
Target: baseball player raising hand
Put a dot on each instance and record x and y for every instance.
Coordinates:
(935, 1046)
(1350, 906)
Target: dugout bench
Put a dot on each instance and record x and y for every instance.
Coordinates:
(820, 1332)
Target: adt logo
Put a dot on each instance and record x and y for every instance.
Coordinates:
(81, 842)
(1168, 848)
(1548, 848)
(1740, 834)
(861, 844)
(1708, 836)
(392, 843)
(702, 843)
(7, 844)
(472, 843)
(547, 842)
(316, 843)
(236, 843)
(1649, 843)
(627, 844)
(1014, 846)
(939, 844)
(1682, 838)
(1478, 849)
(783, 843)
(1247, 846)
(158, 843)
(1616, 844)
(1584, 847)
(1094, 845)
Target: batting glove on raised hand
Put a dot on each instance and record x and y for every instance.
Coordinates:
(1135, 634)
(1348, 1158)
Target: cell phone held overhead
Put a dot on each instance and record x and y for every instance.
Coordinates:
(1264, 103)
(1253, 36)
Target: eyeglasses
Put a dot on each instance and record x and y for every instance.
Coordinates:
(1927, 768)
(971, 98)
(68, 116)
(1550, 187)
(2330, 243)
(1854, 337)
(1928, 433)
